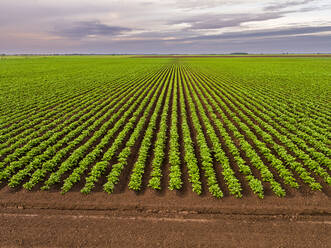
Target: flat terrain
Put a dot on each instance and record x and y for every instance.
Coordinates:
(49, 219)
(176, 151)
(239, 56)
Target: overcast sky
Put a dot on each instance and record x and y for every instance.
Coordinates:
(168, 26)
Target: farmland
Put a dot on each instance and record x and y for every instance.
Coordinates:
(198, 131)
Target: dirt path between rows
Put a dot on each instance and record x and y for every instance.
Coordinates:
(103, 229)
(170, 219)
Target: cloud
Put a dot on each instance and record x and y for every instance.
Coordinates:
(221, 21)
(205, 4)
(284, 5)
(145, 26)
(27, 12)
(217, 21)
(300, 31)
(84, 29)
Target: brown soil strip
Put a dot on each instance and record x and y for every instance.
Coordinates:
(49, 122)
(73, 97)
(203, 179)
(99, 185)
(124, 178)
(104, 97)
(150, 157)
(316, 203)
(228, 83)
(57, 187)
(304, 189)
(262, 157)
(216, 165)
(246, 189)
(59, 138)
(184, 170)
(52, 107)
(266, 112)
(165, 164)
(255, 171)
(51, 228)
(102, 180)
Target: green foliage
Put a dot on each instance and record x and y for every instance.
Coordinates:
(264, 121)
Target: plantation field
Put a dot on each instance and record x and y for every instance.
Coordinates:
(203, 135)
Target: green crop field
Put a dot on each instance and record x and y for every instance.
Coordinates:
(227, 126)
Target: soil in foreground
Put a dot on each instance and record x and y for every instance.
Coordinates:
(169, 219)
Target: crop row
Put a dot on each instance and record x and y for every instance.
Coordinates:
(139, 130)
(281, 151)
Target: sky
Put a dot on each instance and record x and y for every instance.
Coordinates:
(165, 27)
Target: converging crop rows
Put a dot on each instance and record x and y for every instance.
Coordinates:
(162, 125)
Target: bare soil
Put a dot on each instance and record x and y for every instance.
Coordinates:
(164, 218)
(49, 219)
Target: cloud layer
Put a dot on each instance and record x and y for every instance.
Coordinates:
(79, 30)
(170, 26)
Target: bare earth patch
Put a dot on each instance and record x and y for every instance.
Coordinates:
(169, 219)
